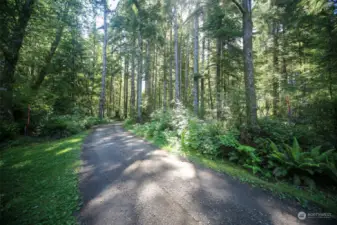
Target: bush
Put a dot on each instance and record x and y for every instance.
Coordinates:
(197, 137)
(8, 130)
(227, 143)
(128, 122)
(66, 125)
(276, 130)
(281, 132)
(246, 156)
(293, 162)
(265, 158)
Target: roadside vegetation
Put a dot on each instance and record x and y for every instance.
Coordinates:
(276, 161)
(39, 182)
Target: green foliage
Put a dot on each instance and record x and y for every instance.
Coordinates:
(199, 138)
(158, 129)
(213, 141)
(246, 156)
(280, 131)
(39, 182)
(229, 140)
(64, 126)
(128, 122)
(276, 130)
(8, 130)
(302, 166)
(221, 165)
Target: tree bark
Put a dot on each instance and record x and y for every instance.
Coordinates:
(154, 97)
(196, 66)
(110, 89)
(132, 100)
(126, 87)
(276, 97)
(105, 41)
(209, 74)
(251, 105)
(148, 80)
(171, 69)
(165, 80)
(218, 78)
(187, 68)
(202, 90)
(176, 57)
(139, 79)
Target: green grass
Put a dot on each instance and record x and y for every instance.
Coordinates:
(39, 182)
(281, 189)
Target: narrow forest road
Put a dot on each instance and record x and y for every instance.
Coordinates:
(125, 181)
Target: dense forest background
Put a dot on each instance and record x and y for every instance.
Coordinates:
(263, 71)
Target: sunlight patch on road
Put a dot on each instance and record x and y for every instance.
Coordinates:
(132, 168)
(276, 215)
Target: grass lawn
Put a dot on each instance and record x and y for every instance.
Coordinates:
(324, 200)
(39, 182)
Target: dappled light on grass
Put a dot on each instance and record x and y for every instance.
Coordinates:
(64, 151)
(22, 164)
(39, 183)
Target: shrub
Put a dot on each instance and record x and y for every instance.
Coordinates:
(301, 166)
(197, 137)
(8, 130)
(227, 143)
(246, 156)
(66, 125)
(179, 119)
(276, 130)
(281, 132)
(128, 122)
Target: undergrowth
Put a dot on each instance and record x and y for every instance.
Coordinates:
(286, 169)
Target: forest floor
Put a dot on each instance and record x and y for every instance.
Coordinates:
(127, 180)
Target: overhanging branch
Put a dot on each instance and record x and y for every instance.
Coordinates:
(239, 6)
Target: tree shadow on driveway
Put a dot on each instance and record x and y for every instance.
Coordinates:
(125, 180)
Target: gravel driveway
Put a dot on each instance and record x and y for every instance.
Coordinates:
(124, 180)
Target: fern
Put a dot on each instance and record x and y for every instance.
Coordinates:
(293, 159)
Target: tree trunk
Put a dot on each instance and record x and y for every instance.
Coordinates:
(196, 66)
(126, 87)
(154, 90)
(132, 100)
(218, 78)
(176, 57)
(180, 64)
(276, 97)
(105, 41)
(251, 105)
(148, 80)
(202, 94)
(111, 104)
(110, 88)
(171, 69)
(139, 79)
(120, 98)
(209, 74)
(11, 55)
(165, 80)
(187, 67)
